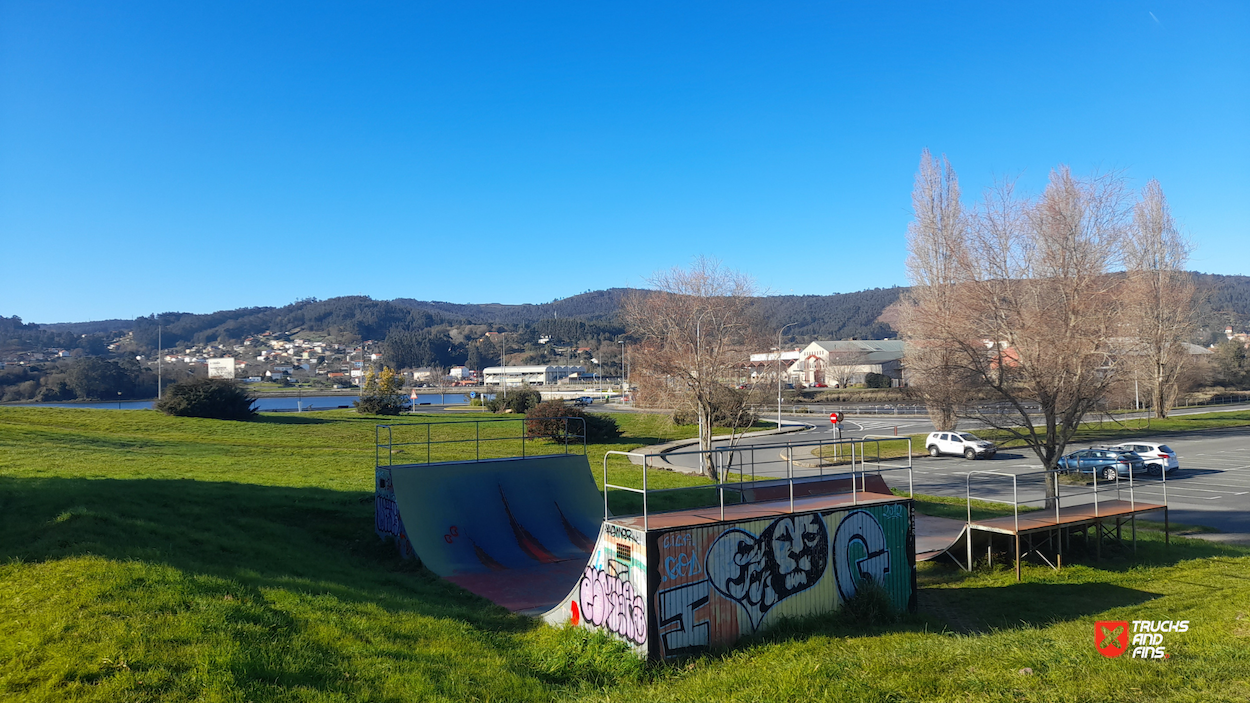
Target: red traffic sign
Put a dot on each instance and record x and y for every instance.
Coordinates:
(835, 418)
(413, 395)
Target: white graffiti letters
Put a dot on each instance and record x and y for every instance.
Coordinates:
(757, 573)
(611, 603)
(859, 552)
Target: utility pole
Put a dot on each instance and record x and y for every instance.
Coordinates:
(158, 361)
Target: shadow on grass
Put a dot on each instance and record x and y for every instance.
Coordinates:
(302, 539)
(292, 419)
(983, 609)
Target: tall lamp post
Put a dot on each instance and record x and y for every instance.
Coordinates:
(624, 373)
(783, 329)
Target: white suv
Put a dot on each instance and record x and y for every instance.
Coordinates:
(1157, 456)
(969, 445)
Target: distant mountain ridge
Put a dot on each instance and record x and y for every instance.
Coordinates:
(1223, 301)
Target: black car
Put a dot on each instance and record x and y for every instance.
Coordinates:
(1105, 463)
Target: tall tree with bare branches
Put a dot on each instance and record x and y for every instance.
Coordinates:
(694, 328)
(935, 237)
(1025, 305)
(1159, 298)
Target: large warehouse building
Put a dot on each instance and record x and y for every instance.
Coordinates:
(532, 375)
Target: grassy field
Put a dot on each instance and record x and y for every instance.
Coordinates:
(146, 558)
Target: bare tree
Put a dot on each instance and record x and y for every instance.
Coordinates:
(694, 327)
(1029, 310)
(1159, 299)
(935, 239)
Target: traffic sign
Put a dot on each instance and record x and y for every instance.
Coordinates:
(414, 394)
(835, 418)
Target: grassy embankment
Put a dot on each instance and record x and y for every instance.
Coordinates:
(153, 558)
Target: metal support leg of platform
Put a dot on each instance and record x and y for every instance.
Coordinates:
(1133, 524)
(1017, 557)
(1167, 534)
(1097, 540)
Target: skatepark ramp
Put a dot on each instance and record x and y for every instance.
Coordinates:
(532, 533)
(1040, 527)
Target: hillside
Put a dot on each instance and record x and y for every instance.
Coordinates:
(1223, 301)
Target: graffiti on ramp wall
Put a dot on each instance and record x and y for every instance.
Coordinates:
(751, 574)
(611, 593)
(758, 572)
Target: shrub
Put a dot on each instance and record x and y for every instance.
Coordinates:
(216, 398)
(728, 410)
(518, 401)
(544, 420)
(870, 605)
(381, 394)
(876, 380)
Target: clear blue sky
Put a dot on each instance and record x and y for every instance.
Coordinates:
(202, 156)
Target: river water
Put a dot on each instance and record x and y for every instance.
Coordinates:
(263, 404)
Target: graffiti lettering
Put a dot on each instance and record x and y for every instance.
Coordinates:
(679, 539)
(677, 606)
(385, 516)
(621, 533)
(611, 603)
(757, 573)
(894, 512)
(859, 552)
(684, 564)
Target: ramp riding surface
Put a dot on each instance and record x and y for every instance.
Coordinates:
(516, 531)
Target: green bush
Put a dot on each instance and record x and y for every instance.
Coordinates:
(876, 380)
(518, 401)
(869, 606)
(546, 420)
(216, 398)
(728, 410)
(381, 394)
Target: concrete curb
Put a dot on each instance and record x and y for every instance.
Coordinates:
(787, 427)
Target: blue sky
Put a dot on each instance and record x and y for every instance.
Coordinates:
(203, 156)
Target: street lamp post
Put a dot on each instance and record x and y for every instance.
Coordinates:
(624, 373)
(783, 329)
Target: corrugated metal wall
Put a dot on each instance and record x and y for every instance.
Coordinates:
(712, 585)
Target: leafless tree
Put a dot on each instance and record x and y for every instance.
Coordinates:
(1159, 299)
(1029, 310)
(935, 238)
(694, 329)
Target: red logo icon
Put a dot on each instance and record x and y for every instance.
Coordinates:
(1111, 637)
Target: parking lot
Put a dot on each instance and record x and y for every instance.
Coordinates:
(1211, 487)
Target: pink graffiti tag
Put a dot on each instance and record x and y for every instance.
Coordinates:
(611, 603)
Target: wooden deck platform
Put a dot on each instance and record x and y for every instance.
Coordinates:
(1046, 535)
(1042, 520)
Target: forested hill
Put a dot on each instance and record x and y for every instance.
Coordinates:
(818, 316)
(1223, 301)
(591, 305)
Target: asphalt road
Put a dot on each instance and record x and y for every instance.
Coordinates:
(1212, 486)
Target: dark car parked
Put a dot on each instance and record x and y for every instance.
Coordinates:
(1105, 463)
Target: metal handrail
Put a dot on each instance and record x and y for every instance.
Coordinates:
(723, 459)
(477, 439)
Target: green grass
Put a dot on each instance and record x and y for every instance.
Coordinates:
(147, 558)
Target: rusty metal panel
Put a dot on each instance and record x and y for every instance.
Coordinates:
(711, 585)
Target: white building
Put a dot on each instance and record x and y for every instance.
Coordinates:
(533, 375)
(835, 364)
